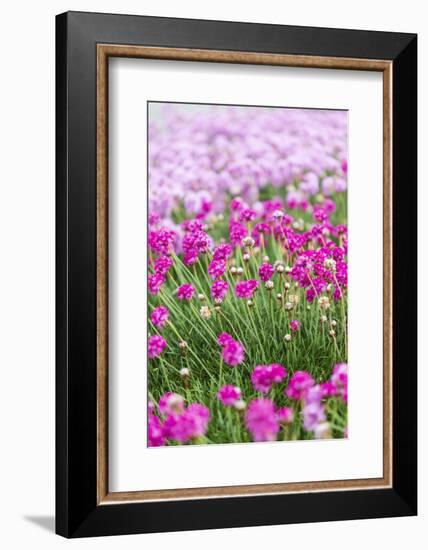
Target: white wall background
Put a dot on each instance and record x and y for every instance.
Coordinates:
(27, 271)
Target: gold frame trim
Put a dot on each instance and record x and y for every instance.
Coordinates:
(104, 51)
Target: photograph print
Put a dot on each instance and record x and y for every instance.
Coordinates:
(247, 250)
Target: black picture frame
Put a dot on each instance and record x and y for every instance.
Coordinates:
(77, 511)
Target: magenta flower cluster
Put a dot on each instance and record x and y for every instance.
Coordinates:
(232, 352)
(263, 376)
(185, 292)
(229, 395)
(245, 289)
(155, 345)
(176, 421)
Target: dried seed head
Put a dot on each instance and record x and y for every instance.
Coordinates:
(329, 287)
(287, 286)
(280, 268)
(322, 431)
(205, 312)
(201, 297)
(233, 270)
(332, 333)
(239, 271)
(269, 285)
(288, 306)
(184, 372)
(323, 319)
(182, 344)
(217, 308)
(246, 257)
(287, 269)
(293, 298)
(240, 405)
(248, 241)
(265, 259)
(279, 296)
(333, 323)
(287, 338)
(324, 302)
(329, 263)
(250, 303)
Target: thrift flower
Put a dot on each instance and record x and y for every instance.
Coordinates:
(155, 282)
(159, 316)
(313, 415)
(155, 346)
(217, 268)
(233, 353)
(170, 403)
(224, 338)
(285, 415)
(163, 264)
(295, 325)
(219, 290)
(340, 379)
(263, 376)
(229, 395)
(298, 385)
(156, 437)
(266, 271)
(185, 292)
(245, 289)
(261, 420)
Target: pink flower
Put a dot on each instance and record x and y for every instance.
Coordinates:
(228, 395)
(156, 434)
(185, 292)
(190, 257)
(340, 379)
(263, 376)
(266, 271)
(261, 420)
(328, 389)
(170, 403)
(163, 264)
(219, 290)
(224, 338)
(299, 383)
(156, 345)
(222, 252)
(233, 353)
(295, 325)
(217, 268)
(313, 414)
(285, 415)
(236, 232)
(192, 422)
(162, 240)
(159, 316)
(247, 215)
(154, 218)
(155, 282)
(245, 289)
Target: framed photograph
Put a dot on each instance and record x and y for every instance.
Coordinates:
(236, 222)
